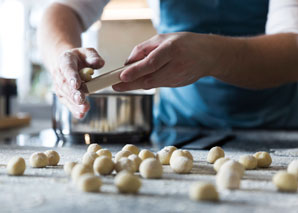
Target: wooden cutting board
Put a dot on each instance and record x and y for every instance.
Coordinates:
(14, 121)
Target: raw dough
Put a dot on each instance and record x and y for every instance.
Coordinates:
(181, 165)
(80, 169)
(228, 179)
(233, 165)
(122, 154)
(94, 147)
(219, 162)
(16, 166)
(53, 157)
(86, 73)
(293, 168)
(125, 164)
(214, 154)
(145, 153)
(179, 152)
(151, 168)
(103, 165)
(132, 148)
(165, 154)
(89, 183)
(136, 160)
(68, 166)
(89, 158)
(127, 182)
(264, 159)
(104, 152)
(285, 181)
(38, 160)
(248, 161)
(202, 191)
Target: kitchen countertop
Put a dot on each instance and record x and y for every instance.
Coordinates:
(50, 190)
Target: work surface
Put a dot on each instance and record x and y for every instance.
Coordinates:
(50, 190)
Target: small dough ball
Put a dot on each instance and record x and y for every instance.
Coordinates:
(136, 160)
(86, 73)
(53, 157)
(80, 169)
(219, 162)
(234, 165)
(181, 165)
(264, 159)
(248, 161)
(68, 166)
(214, 154)
(228, 179)
(89, 183)
(145, 153)
(94, 147)
(132, 148)
(104, 152)
(38, 160)
(127, 182)
(151, 168)
(202, 191)
(293, 168)
(285, 181)
(122, 154)
(179, 152)
(103, 165)
(16, 166)
(89, 158)
(125, 164)
(165, 154)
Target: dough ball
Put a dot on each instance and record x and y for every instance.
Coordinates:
(68, 166)
(127, 182)
(16, 166)
(293, 168)
(104, 152)
(165, 154)
(179, 152)
(151, 168)
(103, 165)
(228, 179)
(219, 162)
(86, 74)
(214, 154)
(233, 165)
(125, 164)
(89, 183)
(137, 161)
(122, 154)
(132, 148)
(248, 161)
(264, 159)
(285, 182)
(145, 153)
(94, 147)
(89, 158)
(38, 160)
(181, 165)
(53, 157)
(80, 169)
(202, 191)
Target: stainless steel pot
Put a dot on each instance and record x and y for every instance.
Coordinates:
(112, 118)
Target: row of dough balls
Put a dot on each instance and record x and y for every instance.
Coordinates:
(16, 166)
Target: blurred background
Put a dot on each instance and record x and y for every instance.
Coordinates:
(124, 24)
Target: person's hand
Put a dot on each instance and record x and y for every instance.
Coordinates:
(67, 81)
(169, 60)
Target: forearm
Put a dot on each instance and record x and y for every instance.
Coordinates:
(258, 62)
(60, 30)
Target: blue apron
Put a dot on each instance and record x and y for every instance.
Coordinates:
(210, 102)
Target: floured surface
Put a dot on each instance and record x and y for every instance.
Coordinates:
(50, 190)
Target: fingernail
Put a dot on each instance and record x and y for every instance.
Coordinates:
(78, 98)
(117, 88)
(73, 83)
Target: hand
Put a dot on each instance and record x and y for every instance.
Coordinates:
(67, 81)
(169, 60)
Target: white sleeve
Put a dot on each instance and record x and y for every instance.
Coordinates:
(282, 17)
(88, 10)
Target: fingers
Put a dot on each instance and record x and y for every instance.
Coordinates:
(91, 58)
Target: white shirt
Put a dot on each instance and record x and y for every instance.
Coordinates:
(282, 14)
